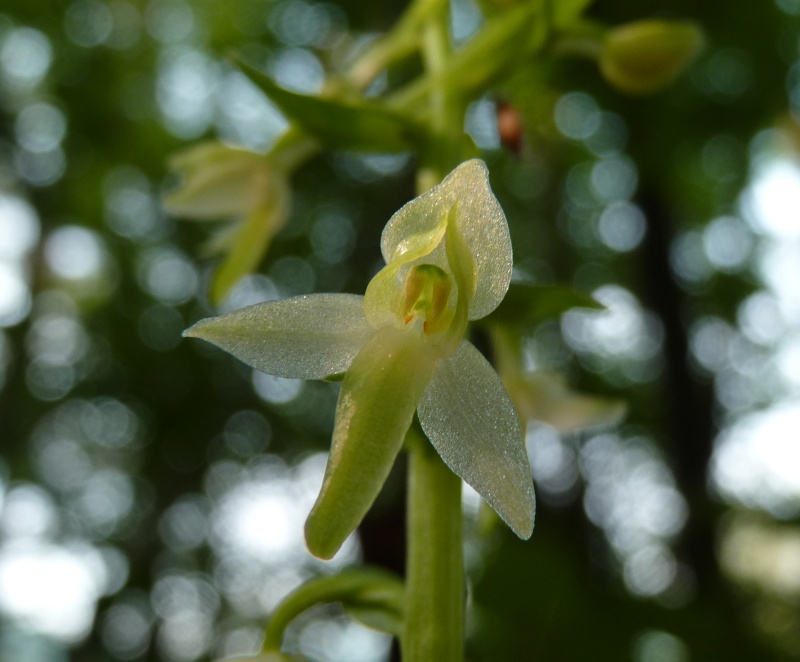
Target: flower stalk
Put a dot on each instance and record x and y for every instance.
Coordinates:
(434, 627)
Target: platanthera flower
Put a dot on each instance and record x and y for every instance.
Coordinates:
(225, 182)
(402, 350)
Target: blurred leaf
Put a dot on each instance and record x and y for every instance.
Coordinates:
(536, 303)
(352, 125)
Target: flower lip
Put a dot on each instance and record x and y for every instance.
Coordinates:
(426, 296)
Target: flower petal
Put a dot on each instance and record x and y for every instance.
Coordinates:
(384, 291)
(376, 405)
(251, 240)
(219, 180)
(546, 397)
(306, 337)
(469, 418)
(480, 221)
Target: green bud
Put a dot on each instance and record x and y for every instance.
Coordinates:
(646, 56)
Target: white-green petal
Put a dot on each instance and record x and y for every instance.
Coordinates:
(306, 337)
(219, 180)
(385, 291)
(480, 220)
(470, 420)
(376, 406)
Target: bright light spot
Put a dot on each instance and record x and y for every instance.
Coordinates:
(276, 390)
(15, 298)
(248, 117)
(614, 178)
(727, 243)
(19, 227)
(167, 274)
(40, 168)
(465, 19)
(757, 458)
(25, 56)
(553, 462)
(28, 512)
(631, 495)
(343, 641)
(709, 341)
(788, 360)
(51, 589)
(688, 258)
(88, 23)
(759, 317)
(40, 127)
(169, 21)
(126, 629)
(779, 267)
(57, 339)
(481, 124)
(298, 69)
(623, 329)
(659, 646)
(764, 554)
(622, 226)
(577, 115)
(105, 499)
(187, 605)
(293, 275)
(184, 525)
(251, 289)
(367, 168)
(771, 199)
(130, 209)
(127, 25)
(299, 23)
(650, 570)
(74, 253)
(186, 80)
(332, 237)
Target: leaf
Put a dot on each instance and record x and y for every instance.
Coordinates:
(534, 304)
(481, 222)
(306, 337)
(361, 125)
(376, 405)
(470, 420)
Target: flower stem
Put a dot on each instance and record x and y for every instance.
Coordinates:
(434, 628)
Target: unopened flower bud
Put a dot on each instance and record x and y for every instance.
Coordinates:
(646, 56)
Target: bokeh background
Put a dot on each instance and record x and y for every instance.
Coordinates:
(153, 490)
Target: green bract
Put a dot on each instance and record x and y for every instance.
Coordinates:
(402, 349)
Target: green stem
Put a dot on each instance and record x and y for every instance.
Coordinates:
(434, 628)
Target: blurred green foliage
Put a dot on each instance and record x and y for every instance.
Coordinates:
(154, 471)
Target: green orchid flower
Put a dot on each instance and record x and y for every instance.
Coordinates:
(224, 182)
(402, 350)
